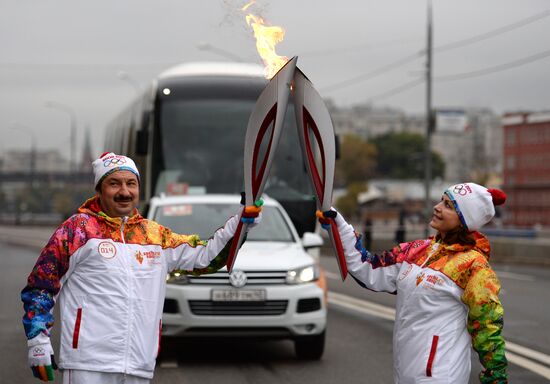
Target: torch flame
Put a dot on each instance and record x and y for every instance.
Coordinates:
(267, 37)
(248, 5)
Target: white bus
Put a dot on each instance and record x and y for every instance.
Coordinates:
(186, 133)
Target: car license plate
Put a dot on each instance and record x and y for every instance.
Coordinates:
(238, 295)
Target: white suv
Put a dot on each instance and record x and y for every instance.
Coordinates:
(276, 290)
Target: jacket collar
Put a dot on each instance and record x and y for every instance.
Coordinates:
(482, 245)
(93, 208)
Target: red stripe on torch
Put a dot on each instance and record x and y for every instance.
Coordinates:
(258, 177)
(335, 235)
(317, 182)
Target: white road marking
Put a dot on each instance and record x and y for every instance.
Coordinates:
(169, 364)
(363, 306)
(528, 364)
(513, 351)
(333, 276)
(545, 359)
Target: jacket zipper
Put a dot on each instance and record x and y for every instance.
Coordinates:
(123, 222)
(431, 358)
(434, 250)
(129, 281)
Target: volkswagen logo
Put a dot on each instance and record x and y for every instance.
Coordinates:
(237, 278)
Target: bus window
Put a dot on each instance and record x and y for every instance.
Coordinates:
(203, 145)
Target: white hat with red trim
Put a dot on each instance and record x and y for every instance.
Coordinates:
(109, 163)
(475, 204)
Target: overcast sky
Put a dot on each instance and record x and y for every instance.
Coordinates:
(70, 52)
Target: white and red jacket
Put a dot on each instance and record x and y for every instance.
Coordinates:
(447, 302)
(109, 278)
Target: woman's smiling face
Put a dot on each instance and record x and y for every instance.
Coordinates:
(444, 218)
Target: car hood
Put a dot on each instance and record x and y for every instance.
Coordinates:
(272, 256)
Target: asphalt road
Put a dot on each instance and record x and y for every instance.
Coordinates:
(358, 346)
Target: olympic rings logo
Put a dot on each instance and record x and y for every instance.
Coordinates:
(462, 189)
(113, 161)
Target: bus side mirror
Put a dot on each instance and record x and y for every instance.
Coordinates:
(337, 146)
(142, 142)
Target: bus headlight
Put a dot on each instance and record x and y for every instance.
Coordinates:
(303, 275)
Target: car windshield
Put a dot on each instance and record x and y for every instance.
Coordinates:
(203, 219)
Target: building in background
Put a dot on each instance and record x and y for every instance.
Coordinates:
(47, 160)
(38, 186)
(367, 121)
(527, 168)
(472, 153)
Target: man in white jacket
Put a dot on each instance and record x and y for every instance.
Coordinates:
(107, 266)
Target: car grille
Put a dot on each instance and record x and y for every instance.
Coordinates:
(253, 277)
(238, 308)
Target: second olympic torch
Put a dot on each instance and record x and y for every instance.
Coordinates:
(317, 139)
(262, 137)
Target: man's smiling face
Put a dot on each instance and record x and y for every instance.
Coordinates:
(119, 194)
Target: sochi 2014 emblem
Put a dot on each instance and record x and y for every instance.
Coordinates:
(106, 249)
(139, 257)
(420, 278)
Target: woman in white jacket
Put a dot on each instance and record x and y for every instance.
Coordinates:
(447, 294)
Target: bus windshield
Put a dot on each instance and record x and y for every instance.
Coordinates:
(202, 143)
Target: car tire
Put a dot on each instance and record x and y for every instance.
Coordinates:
(310, 347)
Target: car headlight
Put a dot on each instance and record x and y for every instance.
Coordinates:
(303, 275)
(177, 278)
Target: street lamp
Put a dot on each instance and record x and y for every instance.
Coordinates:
(429, 123)
(123, 75)
(72, 116)
(23, 128)
(204, 46)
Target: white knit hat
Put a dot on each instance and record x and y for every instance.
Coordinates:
(475, 204)
(109, 163)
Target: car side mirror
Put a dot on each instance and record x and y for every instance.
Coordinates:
(312, 240)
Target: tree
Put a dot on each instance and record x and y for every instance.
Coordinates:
(355, 166)
(357, 161)
(347, 204)
(401, 156)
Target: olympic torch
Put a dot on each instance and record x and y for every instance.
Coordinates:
(316, 135)
(262, 137)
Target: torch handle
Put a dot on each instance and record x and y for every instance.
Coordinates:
(336, 242)
(236, 244)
